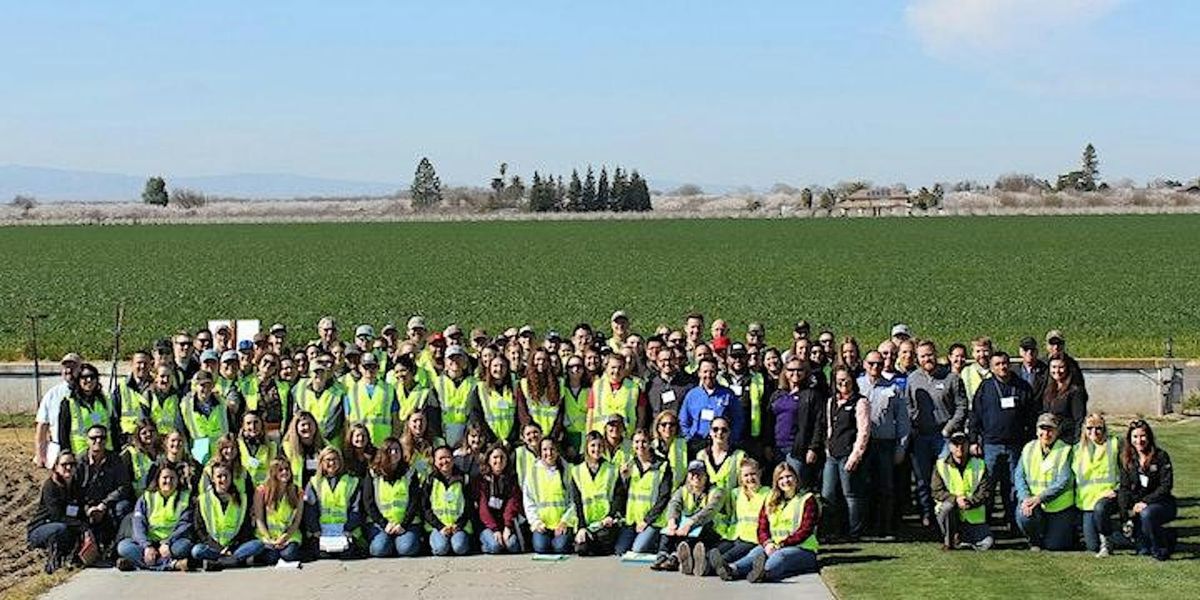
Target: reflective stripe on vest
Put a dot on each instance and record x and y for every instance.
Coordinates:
(550, 494)
(525, 459)
(410, 402)
(279, 518)
(258, 463)
(643, 493)
(542, 413)
(212, 426)
(1041, 471)
(747, 510)
(1096, 472)
(223, 522)
(787, 518)
(575, 419)
(607, 402)
(453, 398)
(161, 516)
(322, 407)
(448, 503)
(499, 410)
(374, 410)
(677, 457)
(141, 463)
(693, 503)
(392, 498)
(164, 411)
(596, 491)
(335, 501)
(963, 484)
(248, 386)
(82, 419)
(756, 395)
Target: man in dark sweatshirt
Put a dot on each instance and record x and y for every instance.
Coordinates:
(1002, 419)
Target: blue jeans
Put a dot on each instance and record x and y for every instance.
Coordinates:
(127, 548)
(1052, 531)
(925, 452)
(734, 550)
(459, 543)
(384, 544)
(881, 464)
(242, 553)
(992, 453)
(784, 563)
(57, 533)
(546, 542)
(852, 486)
(289, 553)
(489, 545)
(630, 540)
(810, 475)
(1150, 528)
(1098, 522)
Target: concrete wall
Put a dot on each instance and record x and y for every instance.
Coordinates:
(1135, 386)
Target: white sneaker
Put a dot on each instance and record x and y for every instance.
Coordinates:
(1104, 549)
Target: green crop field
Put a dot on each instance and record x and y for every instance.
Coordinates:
(1118, 286)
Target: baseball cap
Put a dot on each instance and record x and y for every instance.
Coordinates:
(756, 327)
(246, 346)
(202, 377)
(370, 359)
(553, 336)
(224, 327)
(352, 350)
(900, 329)
(366, 330)
(417, 322)
(230, 355)
(1055, 336)
(278, 328)
(615, 418)
(208, 355)
(525, 330)
(437, 339)
(1028, 343)
(478, 334)
(388, 327)
(620, 314)
(71, 358)
(259, 338)
(958, 437)
(455, 351)
(452, 331)
(1047, 420)
(697, 466)
(738, 349)
(802, 325)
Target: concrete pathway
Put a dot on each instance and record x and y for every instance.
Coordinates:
(476, 577)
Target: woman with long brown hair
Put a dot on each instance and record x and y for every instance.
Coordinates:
(539, 396)
(227, 452)
(787, 534)
(1065, 400)
(850, 356)
(302, 445)
(498, 498)
(418, 443)
(574, 389)
(390, 500)
(1147, 482)
(277, 513)
(492, 403)
(360, 452)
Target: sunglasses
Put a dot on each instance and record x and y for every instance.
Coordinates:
(183, 344)
(844, 382)
(719, 429)
(668, 424)
(575, 367)
(794, 370)
(1094, 428)
(875, 363)
(88, 377)
(95, 438)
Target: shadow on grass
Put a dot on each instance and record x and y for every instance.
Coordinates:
(828, 561)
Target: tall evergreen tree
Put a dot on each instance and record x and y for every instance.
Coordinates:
(560, 195)
(574, 200)
(1091, 168)
(589, 191)
(603, 195)
(620, 190)
(638, 198)
(426, 187)
(541, 194)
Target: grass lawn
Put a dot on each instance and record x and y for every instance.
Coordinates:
(912, 570)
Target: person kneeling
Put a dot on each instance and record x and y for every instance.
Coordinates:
(1046, 512)
(787, 534)
(962, 490)
(599, 496)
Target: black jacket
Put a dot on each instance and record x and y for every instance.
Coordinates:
(993, 423)
(106, 482)
(1160, 479)
(1070, 407)
(679, 385)
(52, 505)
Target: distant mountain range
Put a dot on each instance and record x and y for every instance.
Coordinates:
(58, 185)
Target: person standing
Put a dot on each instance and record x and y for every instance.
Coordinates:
(848, 415)
(616, 394)
(979, 369)
(129, 399)
(751, 390)
(85, 407)
(706, 402)
(937, 408)
(1033, 369)
(46, 443)
(324, 399)
(961, 489)
(796, 415)
(1002, 415)
(204, 416)
(539, 396)
(493, 405)
(1097, 468)
(1056, 347)
(890, 427)
(669, 385)
(1045, 489)
(372, 401)
(1065, 399)
(453, 391)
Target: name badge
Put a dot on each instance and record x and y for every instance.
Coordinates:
(72, 510)
(737, 389)
(252, 463)
(940, 386)
(707, 414)
(668, 396)
(495, 503)
(1047, 466)
(95, 418)
(449, 496)
(1007, 402)
(1144, 480)
(310, 464)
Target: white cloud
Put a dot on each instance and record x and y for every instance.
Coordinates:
(949, 27)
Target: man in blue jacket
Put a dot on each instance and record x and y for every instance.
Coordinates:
(706, 402)
(1002, 418)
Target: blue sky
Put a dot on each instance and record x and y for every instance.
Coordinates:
(710, 92)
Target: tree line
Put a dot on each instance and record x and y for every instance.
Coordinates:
(625, 191)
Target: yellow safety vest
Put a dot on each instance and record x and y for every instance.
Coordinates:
(1097, 472)
(279, 518)
(677, 457)
(542, 413)
(141, 463)
(335, 500)
(448, 503)
(223, 522)
(596, 491)
(82, 419)
(258, 463)
(575, 419)
(550, 494)
(411, 401)
(499, 410)
(212, 426)
(163, 513)
(132, 402)
(322, 407)
(643, 493)
(786, 519)
(756, 396)
(374, 410)
(525, 459)
(391, 498)
(164, 411)
(963, 484)
(607, 402)
(1040, 471)
(453, 398)
(747, 510)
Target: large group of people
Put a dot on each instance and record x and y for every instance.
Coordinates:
(706, 452)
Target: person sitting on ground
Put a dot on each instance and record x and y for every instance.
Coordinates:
(161, 527)
(224, 525)
(391, 503)
(961, 488)
(448, 506)
(499, 500)
(787, 534)
(1045, 489)
(278, 513)
(332, 505)
(599, 496)
(691, 515)
(552, 515)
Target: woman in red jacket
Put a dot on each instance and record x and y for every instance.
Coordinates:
(499, 500)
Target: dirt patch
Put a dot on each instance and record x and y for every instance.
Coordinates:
(20, 481)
